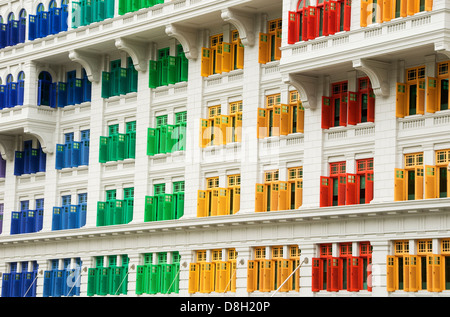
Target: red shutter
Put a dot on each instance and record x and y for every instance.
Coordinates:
(371, 107)
(347, 14)
(352, 102)
(312, 20)
(326, 112)
(342, 189)
(292, 28)
(305, 24)
(369, 187)
(332, 17)
(355, 274)
(343, 110)
(351, 194)
(369, 273)
(326, 10)
(316, 274)
(325, 191)
(336, 274)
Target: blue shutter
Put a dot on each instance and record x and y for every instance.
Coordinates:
(43, 22)
(76, 153)
(42, 160)
(2, 96)
(64, 17)
(84, 150)
(3, 36)
(6, 285)
(59, 159)
(55, 20)
(61, 94)
(48, 283)
(56, 219)
(18, 163)
(32, 27)
(22, 30)
(15, 222)
(11, 89)
(30, 222)
(34, 161)
(74, 217)
(20, 92)
(53, 95)
(78, 91)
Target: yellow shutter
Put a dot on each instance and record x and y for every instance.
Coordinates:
(251, 275)
(267, 275)
(391, 263)
(400, 103)
(193, 278)
(236, 199)
(206, 277)
(438, 273)
(263, 56)
(240, 56)
(363, 15)
(223, 208)
(428, 5)
(262, 123)
(276, 126)
(414, 274)
(429, 270)
(432, 100)
(205, 133)
(277, 52)
(206, 62)
(226, 59)
(201, 203)
(284, 119)
(283, 196)
(411, 7)
(430, 182)
(214, 201)
(421, 96)
(406, 273)
(300, 117)
(403, 8)
(219, 58)
(274, 196)
(284, 269)
(225, 125)
(238, 128)
(418, 183)
(387, 10)
(298, 193)
(399, 184)
(259, 197)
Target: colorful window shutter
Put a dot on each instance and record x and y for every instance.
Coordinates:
(292, 28)
(262, 123)
(325, 191)
(400, 103)
(432, 95)
(347, 14)
(259, 197)
(430, 182)
(263, 56)
(352, 108)
(351, 189)
(312, 21)
(326, 112)
(226, 57)
(399, 186)
(201, 203)
(206, 62)
(418, 183)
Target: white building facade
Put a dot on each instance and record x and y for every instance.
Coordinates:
(199, 147)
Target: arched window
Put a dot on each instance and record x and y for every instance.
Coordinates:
(45, 89)
(22, 25)
(21, 87)
(10, 92)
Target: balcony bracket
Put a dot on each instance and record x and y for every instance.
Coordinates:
(91, 63)
(187, 37)
(378, 73)
(306, 87)
(244, 23)
(442, 48)
(7, 144)
(137, 50)
(45, 136)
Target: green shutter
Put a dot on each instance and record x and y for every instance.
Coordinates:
(152, 142)
(101, 213)
(150, 208)
(103, 150)
(121, 146)
(153, 80)
(106, 85)
(171, 70)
